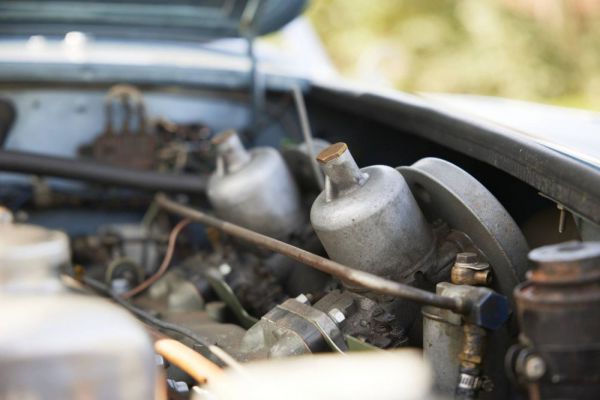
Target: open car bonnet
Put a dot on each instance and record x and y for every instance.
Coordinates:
(150, 19)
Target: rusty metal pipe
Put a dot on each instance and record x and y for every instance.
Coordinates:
(347, 274)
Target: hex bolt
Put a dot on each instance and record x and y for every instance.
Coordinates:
(178, 386)
(302, 299)
(535, 367)
(337, 315)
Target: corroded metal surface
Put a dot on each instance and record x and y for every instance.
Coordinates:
(559, 314)
(445, 191)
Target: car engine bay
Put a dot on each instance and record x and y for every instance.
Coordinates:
(240, 237)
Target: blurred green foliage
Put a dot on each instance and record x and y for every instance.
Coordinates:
(465, 46)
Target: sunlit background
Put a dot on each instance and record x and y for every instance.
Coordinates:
(539, 50)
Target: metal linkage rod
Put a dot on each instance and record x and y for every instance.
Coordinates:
(347, 274)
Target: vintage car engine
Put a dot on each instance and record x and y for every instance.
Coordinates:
(286, 253)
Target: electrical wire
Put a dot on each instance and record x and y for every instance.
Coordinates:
(165, 263)
(199, 342)
(307, 133)
(146, 316)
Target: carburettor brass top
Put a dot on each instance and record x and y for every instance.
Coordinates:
(332, 152)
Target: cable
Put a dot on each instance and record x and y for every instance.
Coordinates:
(307, 133)
(191, 362)
(146, 316)
(36, 164)
(165, 263)
(363, 279)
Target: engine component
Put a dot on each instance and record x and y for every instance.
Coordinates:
(453, 343)
(368, 218)
(558, 310)
(254, 188)
(445, 191)
(362, 279)
(379, 323)
(442, 342)
(471, 360)
(55, 343)
(467, 270)
(125, 148)
(294, 328)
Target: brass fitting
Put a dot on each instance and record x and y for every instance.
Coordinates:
(332, 152)
(471, 360)
(467, 270)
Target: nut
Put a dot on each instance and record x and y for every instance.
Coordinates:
(302, 299)
(535, 367)
(337, 315)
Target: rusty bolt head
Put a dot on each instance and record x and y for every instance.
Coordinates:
(466, 258)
